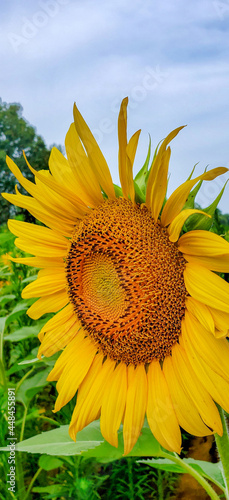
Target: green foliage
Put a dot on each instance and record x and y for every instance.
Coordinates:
(210, 471)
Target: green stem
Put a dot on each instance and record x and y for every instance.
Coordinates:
(222, 444)
(23, 378)
(187, 468)
(160, 486)
(3, 380)
(23, 423)
(32, 483)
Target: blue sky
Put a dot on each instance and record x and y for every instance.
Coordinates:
(170, 58)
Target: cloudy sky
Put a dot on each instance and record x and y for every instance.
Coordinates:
(170, 58)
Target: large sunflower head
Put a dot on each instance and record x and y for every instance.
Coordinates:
(141, 309)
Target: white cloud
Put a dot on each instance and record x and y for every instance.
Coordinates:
(171, 58)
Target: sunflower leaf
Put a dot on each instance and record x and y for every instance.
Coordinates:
(58, 441)
(146, 445)
(210, 471)
(200, 221)
(89, 443)
(49, 463)
(24, 333)
(190, 203)
(31, 386)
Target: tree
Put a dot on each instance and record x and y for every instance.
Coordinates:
(16, 135)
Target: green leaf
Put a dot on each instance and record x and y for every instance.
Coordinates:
(47, 462)
(6, 298)
(24, 333)
(202, 222)
(140, 180)
(210, 471)
(55, 490)
(89, 443)
(58, 441)
(190, 203)
(29, 279)
(146, 446)
(30, 361)
(31, 386)
(118, 191)
(17, 311)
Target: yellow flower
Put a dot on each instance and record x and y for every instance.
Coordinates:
(142, 314)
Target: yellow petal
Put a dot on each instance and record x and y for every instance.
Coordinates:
(63, 175)
(157, 181)
(130, 155)
(215, 352)
(58, 204)
(83, 392)
(77, 343)
(28, 185)
(132, 147)
(151, 184)
(38, 211)
(48, 304)
(195, 388)
(125, 166)
(45, 285)
(58, 320)
(207, 287)
(201, 312)
(221, 318)
(178, 198)
(59, 337)
(136, 399)
(77, 366)
(86, 182)
(40, 250)
(37, 261)
(95, 155)
(219, 264)
(219, 334)
(187, 414)
(204, 248)
(176, 225)
(160, 411)
(45, 179)
(216, 385)
(203, 243)
(89, 407)
(47, 202)
(113, 404)
(41, 234)
(159, 188)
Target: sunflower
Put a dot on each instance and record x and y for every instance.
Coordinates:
(141, 310)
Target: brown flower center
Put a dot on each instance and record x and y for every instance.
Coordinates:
(125, 281)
